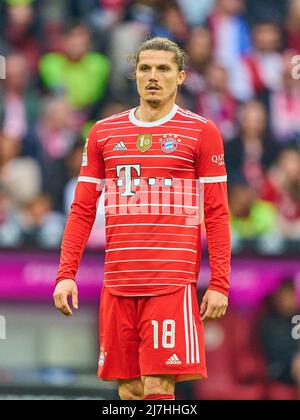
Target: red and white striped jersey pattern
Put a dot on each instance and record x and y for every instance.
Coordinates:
(153, 176)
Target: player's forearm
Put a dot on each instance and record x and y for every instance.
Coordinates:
(77, 231)
(218, 235)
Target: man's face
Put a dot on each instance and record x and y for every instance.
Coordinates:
(77, 43)
(267, 37)
(158, 77)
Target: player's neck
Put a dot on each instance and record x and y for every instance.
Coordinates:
(147, 113)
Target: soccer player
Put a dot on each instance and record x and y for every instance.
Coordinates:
(157, 163)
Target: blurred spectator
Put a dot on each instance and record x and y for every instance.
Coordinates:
(19, 102)
(20, 31)
(216, 102)
(124, 41)
(253, 151)
(257, 9)
(231, 39)
(171, 23)
(80, 9)
(77, 72)
(292, 26)
(285, 105)
(107, 14)
(53, 17)
(114, 5)
(145, 11)
(56, 130)
(261, 69)
(41, 226)
(73, 164)
(195, 12)
(282, 188)
(101, 16)
(251, 217)
(56, 136)
(10, 231)
(19, 175)
(281, 350)
(125, 38)
(199, 50)
(229, 30)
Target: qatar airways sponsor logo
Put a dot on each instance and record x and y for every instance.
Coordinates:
(130, 193)
(218, 159)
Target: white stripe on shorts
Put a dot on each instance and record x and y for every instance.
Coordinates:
(190, 329)
(186, 330)
(190, 306)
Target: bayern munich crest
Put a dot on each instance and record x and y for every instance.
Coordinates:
(169, 143)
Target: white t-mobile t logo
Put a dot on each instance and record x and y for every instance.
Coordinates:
(128, 179)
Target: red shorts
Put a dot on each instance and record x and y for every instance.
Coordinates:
(157, 335)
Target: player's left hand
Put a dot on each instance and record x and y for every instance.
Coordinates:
(214, 305)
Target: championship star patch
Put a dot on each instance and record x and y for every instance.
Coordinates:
(144, 142)
(169, 143)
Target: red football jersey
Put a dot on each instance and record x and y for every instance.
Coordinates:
(159, 179)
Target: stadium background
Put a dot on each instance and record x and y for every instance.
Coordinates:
(66, 67)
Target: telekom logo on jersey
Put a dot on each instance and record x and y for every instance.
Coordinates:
(130, 193)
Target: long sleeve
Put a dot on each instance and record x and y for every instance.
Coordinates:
(216, 216)
(83, 209)
(211, 170)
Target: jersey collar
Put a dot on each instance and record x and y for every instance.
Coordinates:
(163, 120)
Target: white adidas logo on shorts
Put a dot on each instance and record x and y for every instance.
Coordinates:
(173, 360)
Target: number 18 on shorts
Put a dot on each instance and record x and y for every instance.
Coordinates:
(157, 335)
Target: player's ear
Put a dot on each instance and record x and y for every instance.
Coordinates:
(181, 78)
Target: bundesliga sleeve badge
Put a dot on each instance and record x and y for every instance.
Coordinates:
(144, 142)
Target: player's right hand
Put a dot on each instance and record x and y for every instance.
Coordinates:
(62, 290)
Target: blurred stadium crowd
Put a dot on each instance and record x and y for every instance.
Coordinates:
(67, 66)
